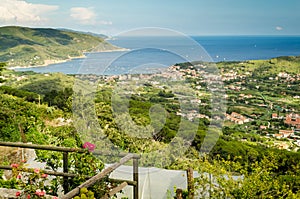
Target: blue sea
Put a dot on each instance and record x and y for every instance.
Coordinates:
(149, 54)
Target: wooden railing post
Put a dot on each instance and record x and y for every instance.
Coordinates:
(190, 182)
(136, 178)
(97, 177)
(65, 170)
(178, 193)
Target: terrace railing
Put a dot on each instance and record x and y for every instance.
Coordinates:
(91, 179)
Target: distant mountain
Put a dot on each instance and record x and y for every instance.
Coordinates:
(83, 32)
(21, 46)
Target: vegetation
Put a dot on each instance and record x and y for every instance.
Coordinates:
(245, 161)
(20, 46)
(2, 65)
(84, 193)
(26, 116)
(221, 178)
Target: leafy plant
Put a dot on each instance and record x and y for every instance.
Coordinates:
(85, 164)
(85, 194)
(30, 181)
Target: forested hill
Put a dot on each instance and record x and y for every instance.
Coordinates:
(21, 46)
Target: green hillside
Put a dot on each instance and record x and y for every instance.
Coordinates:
(21, 46)
(288, 64)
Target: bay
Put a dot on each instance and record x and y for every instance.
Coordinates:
(149, 54)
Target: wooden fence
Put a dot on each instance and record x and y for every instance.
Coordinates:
(91, 180)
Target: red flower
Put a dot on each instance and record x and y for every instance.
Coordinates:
(18, 193)
(54, 197)
(19, 176)
(91, 147)
(28, 196)
(44, 175)
(36, 170)
(24, 161)
(14, 165)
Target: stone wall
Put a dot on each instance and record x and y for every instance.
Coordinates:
(11, 193)
(7, 193)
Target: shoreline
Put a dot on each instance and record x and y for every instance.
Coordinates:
(115, 50)
(48, 62)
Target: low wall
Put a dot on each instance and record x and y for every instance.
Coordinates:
(11, 193)
(7, 193)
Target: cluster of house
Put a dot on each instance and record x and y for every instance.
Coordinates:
(235, 87)
(293, 119)
(232, 75)
(284, 134)
(172, 73)
(244, 96)
(191, 115)
(17, 78)
(288, 77)
(237, 118)
(290, 134)
(276, 116)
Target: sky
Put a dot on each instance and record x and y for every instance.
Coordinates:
(191, 17)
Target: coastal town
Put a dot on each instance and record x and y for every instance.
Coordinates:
(251, 109)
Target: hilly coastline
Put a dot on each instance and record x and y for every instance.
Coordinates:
(22, 46)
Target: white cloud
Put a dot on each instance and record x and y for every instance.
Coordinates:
(278, 28)
(86, 16)
(20, 12)
(83, 15)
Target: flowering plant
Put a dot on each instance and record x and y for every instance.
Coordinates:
(30, 181)
(87, 145)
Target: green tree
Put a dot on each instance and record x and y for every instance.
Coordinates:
(2, 67)
(221, 178)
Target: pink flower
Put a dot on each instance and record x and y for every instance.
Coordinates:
(18, 193)
(28, 196)
(54, 197)
(19, 176)
(24, 161)
(14, 165)
(44, 175)
(91, 147)
(43, 192)
(39, 192)
(36, 170)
